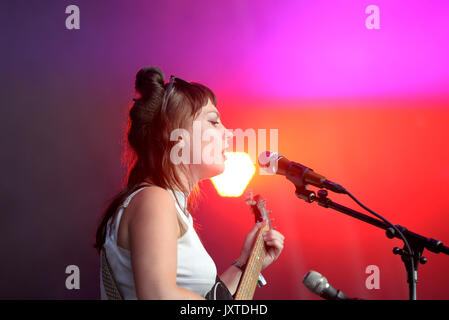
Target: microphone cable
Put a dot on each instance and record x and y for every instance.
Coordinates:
(410, 252)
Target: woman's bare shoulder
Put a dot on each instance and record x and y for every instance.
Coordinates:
(152, 200)
(148, 207)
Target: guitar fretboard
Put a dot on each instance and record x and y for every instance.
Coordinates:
(248, 282)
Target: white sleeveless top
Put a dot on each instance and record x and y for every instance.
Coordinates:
(196, 270)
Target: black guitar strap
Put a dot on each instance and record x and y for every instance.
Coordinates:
(109, 283)
(219, 291)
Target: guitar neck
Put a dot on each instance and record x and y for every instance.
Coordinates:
(248, 281)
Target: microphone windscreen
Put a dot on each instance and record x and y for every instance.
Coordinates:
(315, 282)
(269, 161)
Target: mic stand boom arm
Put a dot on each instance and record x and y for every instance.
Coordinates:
(417, 242)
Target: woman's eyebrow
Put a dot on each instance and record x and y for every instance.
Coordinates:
(216, 112)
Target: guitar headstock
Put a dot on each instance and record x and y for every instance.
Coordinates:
(257, 205)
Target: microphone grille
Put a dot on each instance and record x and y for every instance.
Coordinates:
(315, 282)
(268, 161)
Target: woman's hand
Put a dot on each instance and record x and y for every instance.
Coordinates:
(274, 243)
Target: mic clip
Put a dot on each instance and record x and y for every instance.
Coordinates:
(295, 173)
(304, 194)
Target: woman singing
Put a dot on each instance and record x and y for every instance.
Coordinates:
(146, 238)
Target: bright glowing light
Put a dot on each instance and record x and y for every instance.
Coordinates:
(239, 169)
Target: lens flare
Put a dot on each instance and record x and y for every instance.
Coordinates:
(238, 172)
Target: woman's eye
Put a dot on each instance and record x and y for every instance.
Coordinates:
(214, 122)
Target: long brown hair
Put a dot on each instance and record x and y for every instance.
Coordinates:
(148, 145)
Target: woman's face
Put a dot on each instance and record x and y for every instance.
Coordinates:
(208, 141)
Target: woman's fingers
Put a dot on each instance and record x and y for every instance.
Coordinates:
(274, 249)
(276, 240)
(273, 234)
(275, 243)
(255, 228)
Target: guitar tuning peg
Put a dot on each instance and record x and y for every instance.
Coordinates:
(250, 202)
(249, 198)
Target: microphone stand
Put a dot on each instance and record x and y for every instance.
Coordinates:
(417, 242)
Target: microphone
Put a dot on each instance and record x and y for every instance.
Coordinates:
(319, 285)
(300, 175)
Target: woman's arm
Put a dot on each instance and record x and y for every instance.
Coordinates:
(153, 235)
(231, 278)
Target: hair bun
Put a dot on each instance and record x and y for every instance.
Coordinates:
(149, 79)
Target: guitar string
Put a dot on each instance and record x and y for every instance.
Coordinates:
(246, 276)
(255, 266)
(250, 277)
(253, 270)
(249, 281)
